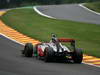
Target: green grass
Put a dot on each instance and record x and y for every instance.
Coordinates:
(93, 6)
(28, 22)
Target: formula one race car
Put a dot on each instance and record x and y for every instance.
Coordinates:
(54, 50)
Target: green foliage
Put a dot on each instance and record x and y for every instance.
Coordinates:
(10, 3)
(93, 6)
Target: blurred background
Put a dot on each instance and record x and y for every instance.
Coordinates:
(21, 3)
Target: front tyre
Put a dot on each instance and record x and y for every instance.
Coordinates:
(28, 50)
(77, 55)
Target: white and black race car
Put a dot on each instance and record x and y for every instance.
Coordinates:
(54, 50)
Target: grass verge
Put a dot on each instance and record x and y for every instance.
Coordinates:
(28, 22)
(95, 6)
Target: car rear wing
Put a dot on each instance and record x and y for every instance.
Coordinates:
(66, 40)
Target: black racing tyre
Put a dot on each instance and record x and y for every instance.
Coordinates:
(77, 55)
(28, 50)
(48, 54)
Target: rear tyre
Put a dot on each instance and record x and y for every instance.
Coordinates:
(77, 55)
(48, 54)
(28, 50)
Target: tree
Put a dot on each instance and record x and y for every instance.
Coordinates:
(3, 3)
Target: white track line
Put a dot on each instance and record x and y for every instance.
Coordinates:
(40, 13)
(11, 39)
(91, 64)
(81, 5)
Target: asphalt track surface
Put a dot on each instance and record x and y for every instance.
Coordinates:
(70, 12)
(13, 63)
